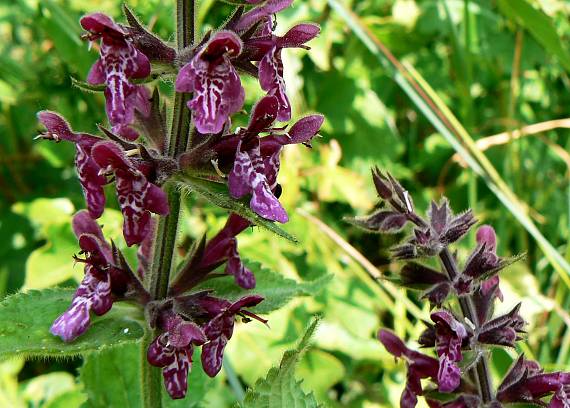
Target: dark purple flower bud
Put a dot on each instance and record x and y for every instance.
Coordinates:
(416, 275)
(224, 247)
(120, 61)
(457, 227)
(484, 298)
(481, 261)
(419, 366)
(486, 235)
(172, 350)
(449, 338)
(87, 169)
(381, 221)
(382, 184)
(439, 216)
(503, 330)
(220, 328)
(435, 284)
(492, 285)
(526, 383)
(437, 294)
(214, 81)
(422, 244)
(137, 196)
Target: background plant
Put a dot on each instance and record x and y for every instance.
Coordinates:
(516, 80)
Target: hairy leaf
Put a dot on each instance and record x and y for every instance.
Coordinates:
(275, 288)
(218, 194)
(25, 320)
(279, 388)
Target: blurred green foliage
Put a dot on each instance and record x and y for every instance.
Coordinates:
(498, 65)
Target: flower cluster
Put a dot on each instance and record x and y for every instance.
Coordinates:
(134, 155)
(460, 338)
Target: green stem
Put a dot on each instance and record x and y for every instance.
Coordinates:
(167, 229)
(150, 376)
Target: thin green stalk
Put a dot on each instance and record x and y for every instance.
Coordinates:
(167, 229)
(151, 378)
(233, 379)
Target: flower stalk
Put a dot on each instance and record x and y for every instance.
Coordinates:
(459, 338)
(145, 163)
(167, 229)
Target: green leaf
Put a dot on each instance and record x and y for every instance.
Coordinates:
(279, 388)
(47, 390)
(274, 287)
(539, 25)
(25, 320)
(52, 263)
(217, 194)
(87, 87)
(112, 379)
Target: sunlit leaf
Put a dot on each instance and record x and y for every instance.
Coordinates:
(25, 320)
(274, 287)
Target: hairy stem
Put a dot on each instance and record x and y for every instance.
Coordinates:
(167, 229)
(468, 309)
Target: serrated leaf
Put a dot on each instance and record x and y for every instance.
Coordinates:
(112, 379)
(218, 194)
(274, 287)
(25, 320)
(87, 87)
(280, 388)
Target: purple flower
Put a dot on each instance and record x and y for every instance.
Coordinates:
(214, 81)
(120, 61)
(221, 326)
(419, 366)
(94, 292)
(172, 350)
(87, 169)
(257, 163)
(271, 65)
(137, 196)
(525, 382)
(449, 335)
